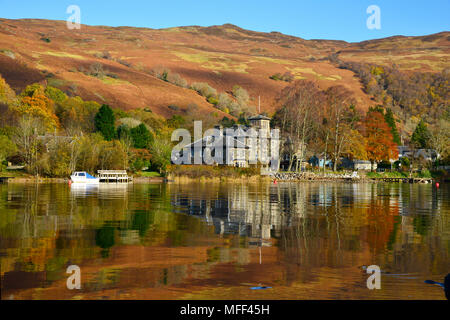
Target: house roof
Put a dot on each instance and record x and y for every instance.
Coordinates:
(228, 141)
(259, 117)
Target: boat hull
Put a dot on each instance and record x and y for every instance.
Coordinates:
(84, 180)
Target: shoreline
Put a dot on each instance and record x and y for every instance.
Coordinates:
(217, 179)
(41, 180)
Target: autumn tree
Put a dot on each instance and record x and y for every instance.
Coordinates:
(7, 148)
(7, 95)
(77, 115)
(161, 151)
(34, 103)
(355, 145)
(380, 144)
(89, 152)
(111, 155)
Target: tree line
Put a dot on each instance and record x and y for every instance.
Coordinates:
(328, 123)
(54, 134)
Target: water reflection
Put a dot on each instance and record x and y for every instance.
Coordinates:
(215, 240)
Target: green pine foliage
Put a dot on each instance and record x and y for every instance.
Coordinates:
(389, 118)
(421, 136)
(141, 136)
(104, 122)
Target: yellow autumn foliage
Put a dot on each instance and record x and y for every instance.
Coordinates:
(36, 104)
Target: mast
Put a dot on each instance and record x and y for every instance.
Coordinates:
(259, 104)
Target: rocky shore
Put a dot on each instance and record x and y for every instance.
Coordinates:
(312, 176)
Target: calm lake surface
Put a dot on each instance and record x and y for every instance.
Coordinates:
(218, 240)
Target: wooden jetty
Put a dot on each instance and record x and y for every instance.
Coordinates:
(405, 180)
(113, 176)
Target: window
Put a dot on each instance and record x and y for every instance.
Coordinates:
(81, 174)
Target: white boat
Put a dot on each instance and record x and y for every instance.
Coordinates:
(84, 177)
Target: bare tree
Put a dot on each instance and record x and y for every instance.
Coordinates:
(341, 115)
(26, 139)
(440, 138)
(300, 104)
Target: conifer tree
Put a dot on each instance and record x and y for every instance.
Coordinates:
(421, 136)
(104, 122)
(389, 117)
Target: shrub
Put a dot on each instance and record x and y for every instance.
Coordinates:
(287, 76)
(213, 100)
(176, 121)
(125, 63)
(174, 107)
(204, 89)
(129, 122)
(240, 94)
(96, 70)
(176, 79)
(55, 94)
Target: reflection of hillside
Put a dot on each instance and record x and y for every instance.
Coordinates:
(169, 241)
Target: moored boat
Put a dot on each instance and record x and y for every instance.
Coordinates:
(84, 177)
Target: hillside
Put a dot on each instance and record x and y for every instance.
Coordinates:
(222, 56)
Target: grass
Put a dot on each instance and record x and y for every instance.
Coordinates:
(112, 81)
(13, 173)
(396, 174)
(274, 60)
(214, 61)
(203, 171)
(8, 53)
(64, 55)
(149, 174)
(56, 82)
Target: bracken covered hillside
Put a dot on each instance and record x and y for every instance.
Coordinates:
(131, 68)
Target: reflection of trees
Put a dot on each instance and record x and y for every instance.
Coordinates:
(44, 227)
(104, 238)
(141, 221)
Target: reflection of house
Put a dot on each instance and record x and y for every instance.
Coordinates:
(240, 212)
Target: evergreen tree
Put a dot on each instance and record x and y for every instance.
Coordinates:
(123, 131)
(421, 136)
(141, 136)
(227, 123)
(104, 122)
(389, 117)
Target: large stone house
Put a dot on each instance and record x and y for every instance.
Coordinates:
(241, 146)
(418, 154)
